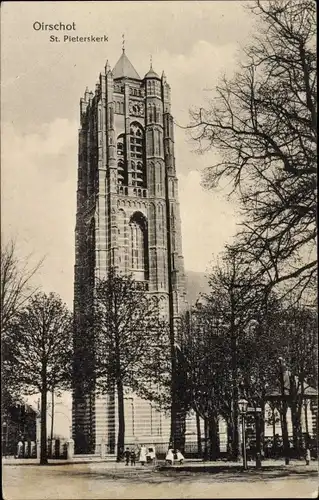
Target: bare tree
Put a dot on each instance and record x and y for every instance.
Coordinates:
(16, 287)
(236, 298)
(40, 344)
(129, 338)
(263, 124)
(212, 345)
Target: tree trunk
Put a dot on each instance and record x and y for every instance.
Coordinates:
(178, 407)
(111, 423)
(284, 430)
(121, 422)
(230, 433)
(296, 427)
(306, 416)
(235, 429)
(180, 429)
(259, 437)
(199, 436)
(284, 408)
(235, 410)
(43, 441)
(213, 438)
(52, 424)
(206, 438)
(273, 427)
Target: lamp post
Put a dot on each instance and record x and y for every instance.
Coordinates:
(242, 407)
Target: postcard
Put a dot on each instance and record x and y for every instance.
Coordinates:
(158, 258)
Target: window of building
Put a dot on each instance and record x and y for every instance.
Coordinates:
(137, 152)
(138, 246)
(121, 164)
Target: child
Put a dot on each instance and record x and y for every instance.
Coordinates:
(179, 457)
(127, 456)
(169, 459)
(133, 457)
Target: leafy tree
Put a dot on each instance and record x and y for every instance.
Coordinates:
(298, 350)
(263, 124)
(259, 349)
(40, 345)
(129, 339)
(206, 357)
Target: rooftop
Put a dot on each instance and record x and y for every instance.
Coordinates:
(124, 68)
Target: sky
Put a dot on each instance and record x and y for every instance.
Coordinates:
(195, 43)
(42, 82)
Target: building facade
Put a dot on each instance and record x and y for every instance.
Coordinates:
(128, 218)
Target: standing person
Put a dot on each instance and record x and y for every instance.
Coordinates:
(127, 456)
(133, 457)
(142, 457)
(308, 456)
(20, 449)
(169, 459)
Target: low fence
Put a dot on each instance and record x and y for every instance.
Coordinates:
(28, 449)
(270, 452)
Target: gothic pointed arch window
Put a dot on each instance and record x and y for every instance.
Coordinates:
(138, 247)
(137, 153)
(161, 177)
(157, 142)
(153, 86)
(150, 113)
(150, 143)
(121, 163)
(122, 237)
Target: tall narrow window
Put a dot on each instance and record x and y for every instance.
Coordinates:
(137, 153)
(138, 247)
(157, 142)
(121, 163)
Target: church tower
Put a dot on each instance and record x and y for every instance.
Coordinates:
(127, 217)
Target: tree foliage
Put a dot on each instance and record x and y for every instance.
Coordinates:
(232, 346)
(263, 124)
(16, 288)
(40, 351)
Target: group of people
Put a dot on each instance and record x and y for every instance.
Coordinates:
(130, 456)
(172, 455)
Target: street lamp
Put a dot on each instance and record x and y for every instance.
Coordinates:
(242, 406)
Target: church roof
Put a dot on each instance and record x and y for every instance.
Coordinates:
(151, 74)
(124, 68)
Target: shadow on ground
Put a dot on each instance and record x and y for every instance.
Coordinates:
(151, 476)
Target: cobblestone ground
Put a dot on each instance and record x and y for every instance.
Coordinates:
(97, 481)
